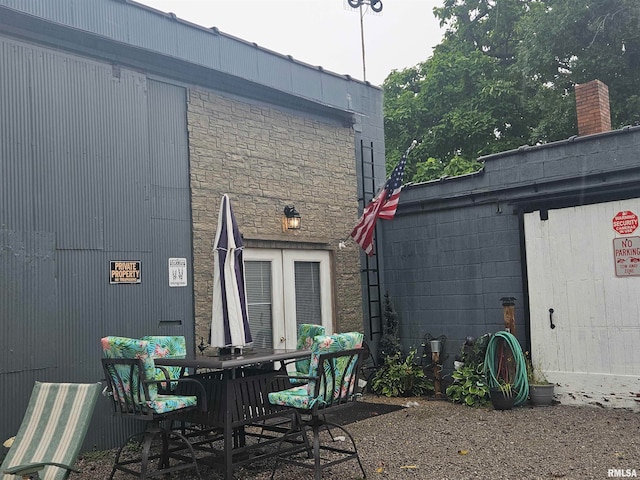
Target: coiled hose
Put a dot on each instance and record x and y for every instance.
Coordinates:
(492, 372)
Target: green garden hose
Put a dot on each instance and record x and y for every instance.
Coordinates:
(519, 382)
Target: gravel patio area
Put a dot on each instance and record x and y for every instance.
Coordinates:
(431, 439)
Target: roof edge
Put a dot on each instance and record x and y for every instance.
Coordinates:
(216, 31)
(572, 139)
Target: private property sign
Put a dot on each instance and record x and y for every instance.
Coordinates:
(626, 254)
(625, 223)
(124, 272)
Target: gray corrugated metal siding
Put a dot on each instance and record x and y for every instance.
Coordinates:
(94, 164)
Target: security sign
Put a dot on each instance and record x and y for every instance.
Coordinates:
(625, 223)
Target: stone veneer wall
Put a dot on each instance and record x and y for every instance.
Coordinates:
(266, 158)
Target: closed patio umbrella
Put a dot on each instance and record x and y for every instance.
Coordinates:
(230, 319)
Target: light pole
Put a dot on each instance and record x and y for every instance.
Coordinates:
(376, 6)
(364, 65)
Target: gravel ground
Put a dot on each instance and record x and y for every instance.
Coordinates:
(439, 440)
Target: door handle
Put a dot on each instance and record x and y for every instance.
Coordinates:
(551, 319)
(282, 339)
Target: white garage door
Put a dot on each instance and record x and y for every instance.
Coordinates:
(593, 353)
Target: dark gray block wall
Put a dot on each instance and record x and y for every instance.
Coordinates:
(447, 271)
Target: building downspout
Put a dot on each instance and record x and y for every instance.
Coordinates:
(525, 280)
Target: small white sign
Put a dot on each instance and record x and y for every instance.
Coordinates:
(177, 272)
(626, 254)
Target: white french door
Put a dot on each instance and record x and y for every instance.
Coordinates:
(284, 289)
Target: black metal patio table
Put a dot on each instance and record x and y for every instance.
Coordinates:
(237, 386)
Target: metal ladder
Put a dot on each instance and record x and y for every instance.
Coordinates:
(371, 270)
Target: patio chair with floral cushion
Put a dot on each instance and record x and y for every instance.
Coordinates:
(133, 384)
(166, 346)
(332, 380)
(52, 431)
(306, 333)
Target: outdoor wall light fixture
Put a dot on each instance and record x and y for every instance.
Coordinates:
(291, 218)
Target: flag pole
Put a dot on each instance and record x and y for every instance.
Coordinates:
(414, 143)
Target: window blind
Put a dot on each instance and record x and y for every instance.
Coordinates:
(259, 302)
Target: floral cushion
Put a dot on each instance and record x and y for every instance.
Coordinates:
(165, 346)
(303, 396)
(122, 347)
(334, 343)
(306, 333)
(297, 397)
(169, 403)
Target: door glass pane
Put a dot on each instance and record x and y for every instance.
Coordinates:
(259, 302)
(308, 309)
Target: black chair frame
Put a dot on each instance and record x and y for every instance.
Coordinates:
(368, 367)
(314, 419)
(132, 404)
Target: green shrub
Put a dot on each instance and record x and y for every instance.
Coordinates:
(469, 387)
(401, 377)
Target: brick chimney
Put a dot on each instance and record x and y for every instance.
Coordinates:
(592, 105)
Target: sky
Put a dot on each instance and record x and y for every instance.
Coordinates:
(324, 33)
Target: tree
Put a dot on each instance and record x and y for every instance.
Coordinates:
(504, 76)
(565, 42)
(389, 345)
(457, 105)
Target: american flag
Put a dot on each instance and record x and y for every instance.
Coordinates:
(384, 206)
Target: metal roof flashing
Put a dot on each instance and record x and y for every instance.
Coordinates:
(571, 139)
(216, 31)
(139, 36)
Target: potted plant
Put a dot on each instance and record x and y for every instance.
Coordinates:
(540, 389)
(502, 396)
(505, 369)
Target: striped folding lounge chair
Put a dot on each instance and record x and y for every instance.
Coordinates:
(52, 431)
